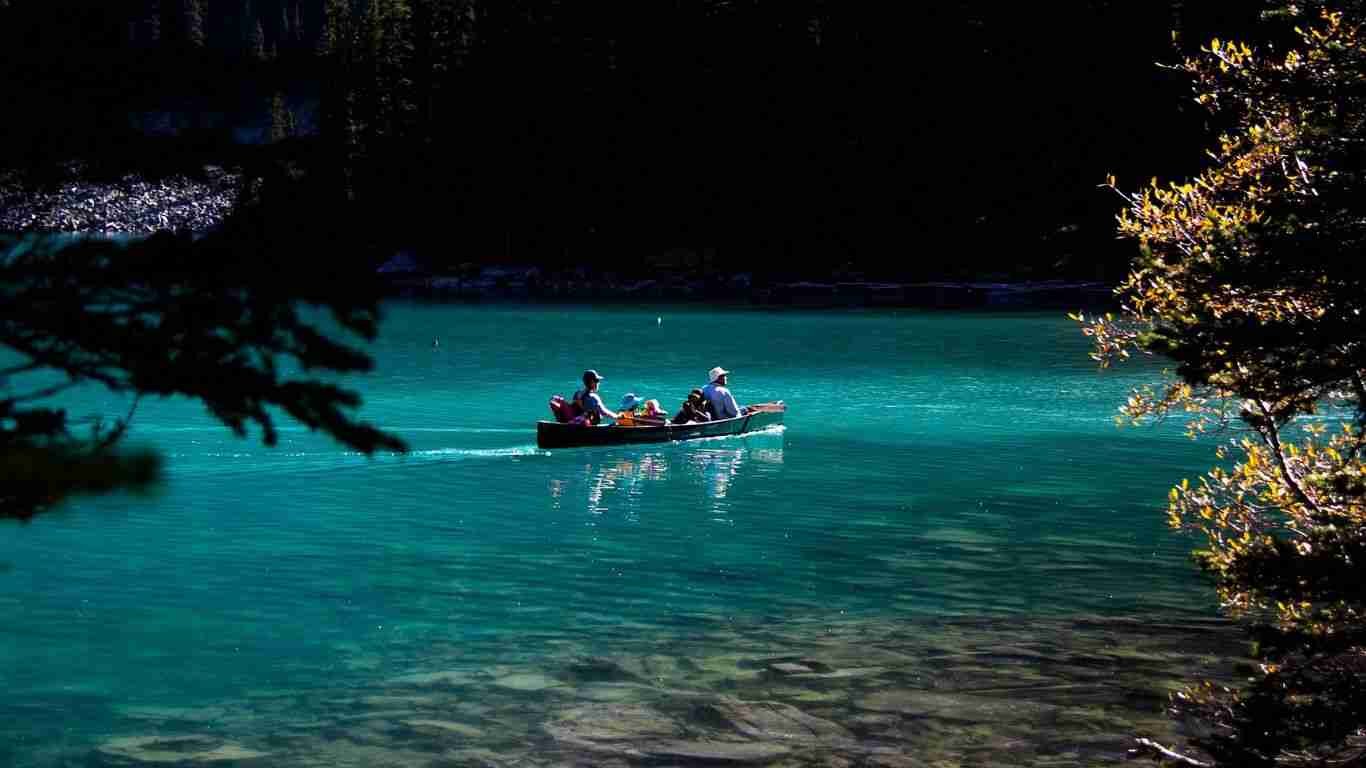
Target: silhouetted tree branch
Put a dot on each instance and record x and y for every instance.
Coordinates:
(223, 320)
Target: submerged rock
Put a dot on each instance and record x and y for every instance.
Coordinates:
(344, 753)
(174, 714)
(479, 758)
(643, 734)
(391, 702)
(979, 691)
(607, 692)
(770, 721)
(656, 668)
(955, 706)
(841, 674)
(450, 678)
(617, 729)
(526, 681)
(714, 751)
(595, 669)
(175, 750)
(721, 731)
(444, 728)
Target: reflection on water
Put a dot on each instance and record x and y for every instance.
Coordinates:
(620, 479)
(718, 469)
(622, 476)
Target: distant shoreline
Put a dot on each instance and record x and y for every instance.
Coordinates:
(503, 285)
(135, 207)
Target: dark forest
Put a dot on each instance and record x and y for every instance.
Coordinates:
(787, 138)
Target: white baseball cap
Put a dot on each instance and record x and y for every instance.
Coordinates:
(716, 373)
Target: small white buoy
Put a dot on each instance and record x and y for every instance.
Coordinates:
(659, 321)
(436, 343)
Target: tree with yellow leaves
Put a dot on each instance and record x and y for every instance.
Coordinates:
(1250, 279)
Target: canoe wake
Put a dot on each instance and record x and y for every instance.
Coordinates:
(521, 450)
(776, 429)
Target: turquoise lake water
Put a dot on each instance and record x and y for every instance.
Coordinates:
(934, 467)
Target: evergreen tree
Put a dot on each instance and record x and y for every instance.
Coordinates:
(281, 119)
(339, 46)
(256, 41)
(286, 28)
(152, 23)
(392, 51)
(193, 14)
(441, 36)
(253, 32)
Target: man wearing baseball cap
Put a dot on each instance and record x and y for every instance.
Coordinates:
(720, 401)
(589, 401)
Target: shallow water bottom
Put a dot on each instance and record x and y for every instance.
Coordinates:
(1017, 691)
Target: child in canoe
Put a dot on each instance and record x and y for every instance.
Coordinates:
(693, 409)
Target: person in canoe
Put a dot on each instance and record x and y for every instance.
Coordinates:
(653, 410)
(627, 409)
(636, 411)
(693, 409)
(589, 402)
(720, 402)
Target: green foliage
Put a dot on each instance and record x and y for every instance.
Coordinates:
(37, 477)
(282, 124)
(1250, 279)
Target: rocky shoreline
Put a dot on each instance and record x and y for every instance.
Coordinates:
(132, 205)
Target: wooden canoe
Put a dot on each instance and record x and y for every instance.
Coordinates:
(552, 434)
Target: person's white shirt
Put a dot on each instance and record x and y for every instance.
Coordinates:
(722, 402)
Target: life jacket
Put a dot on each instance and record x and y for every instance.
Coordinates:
(564, 410)
(581, 410)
